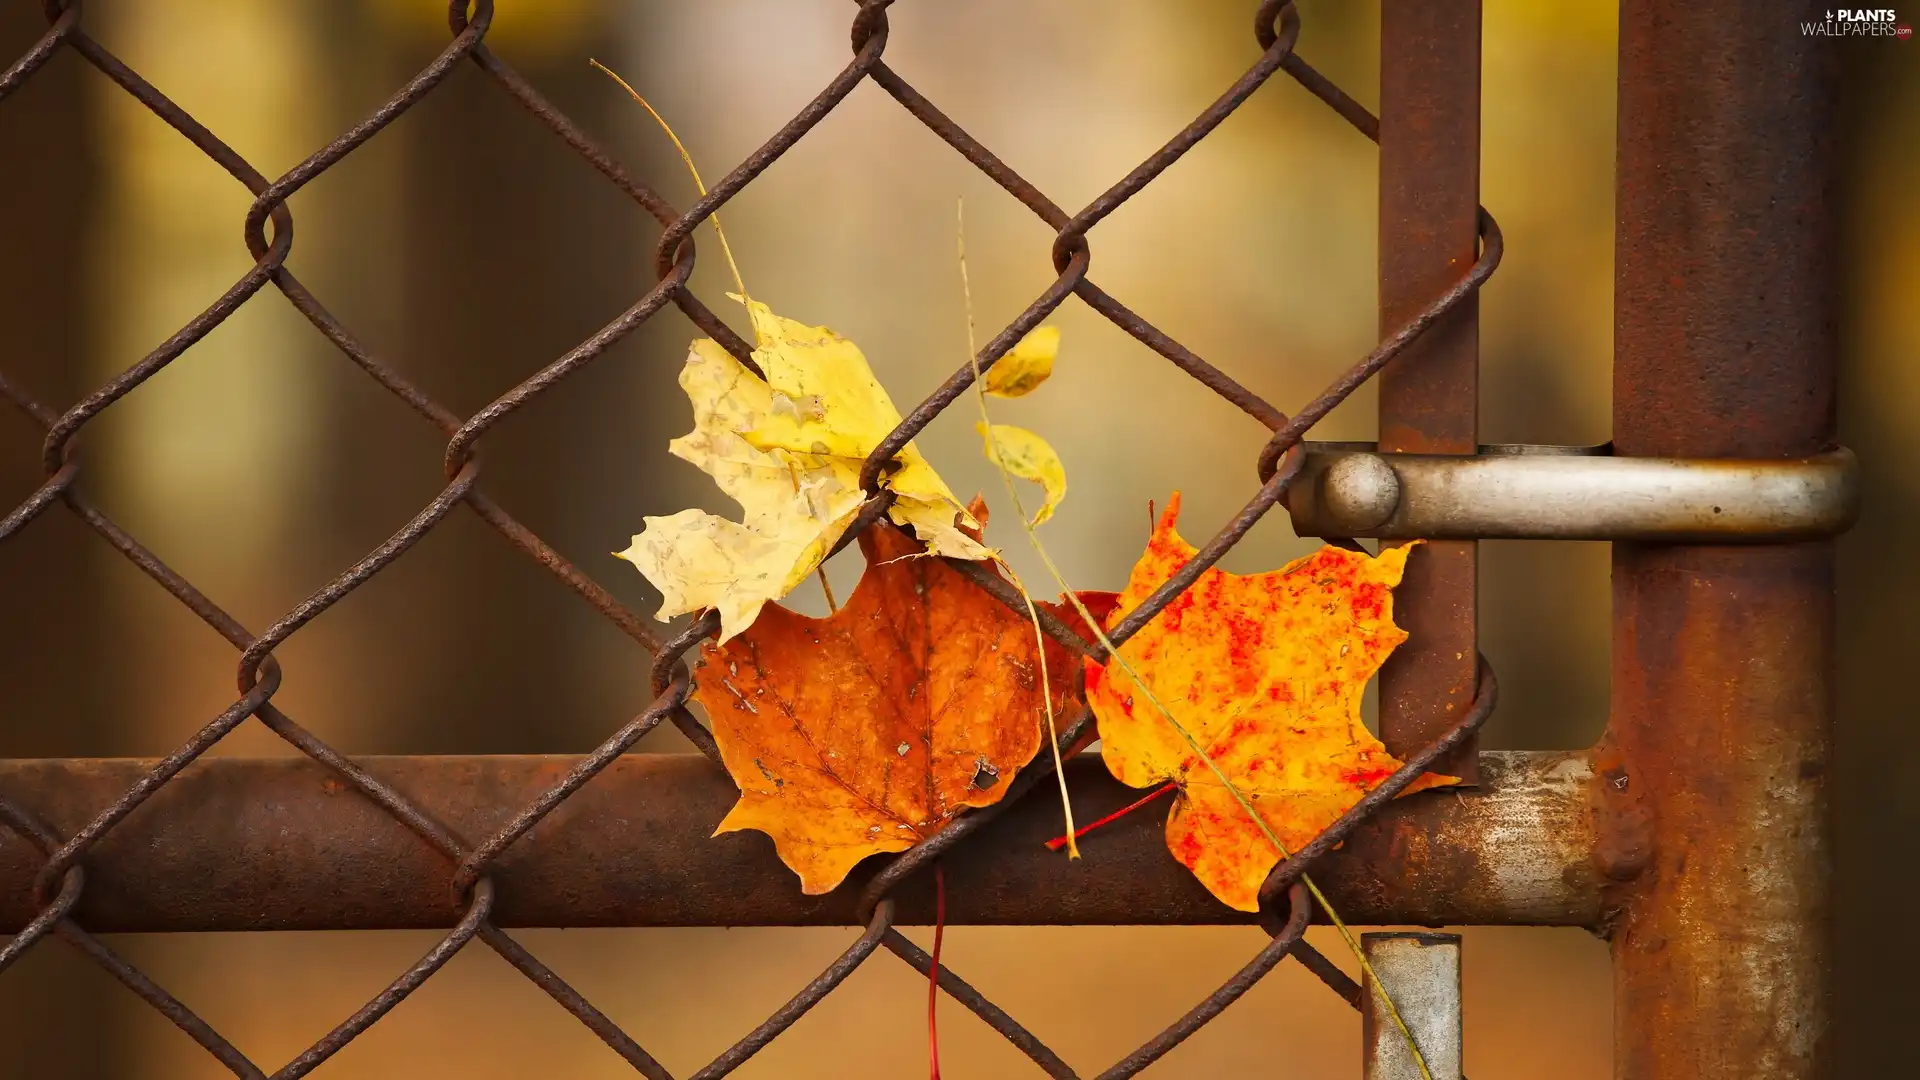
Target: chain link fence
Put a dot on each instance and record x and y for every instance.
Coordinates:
(268, 228)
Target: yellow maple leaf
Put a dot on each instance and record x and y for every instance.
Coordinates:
(794, 506)
(788, 449)
(827, 401)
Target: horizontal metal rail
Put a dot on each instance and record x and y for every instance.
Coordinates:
(237, 844)
(1519, 492)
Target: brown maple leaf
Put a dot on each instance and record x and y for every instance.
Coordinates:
(865, 731)
(1265, 671)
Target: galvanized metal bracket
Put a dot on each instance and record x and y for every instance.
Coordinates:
(1524, 492)
(1420, 974)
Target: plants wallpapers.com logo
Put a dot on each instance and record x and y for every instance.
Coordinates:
(1858, 22)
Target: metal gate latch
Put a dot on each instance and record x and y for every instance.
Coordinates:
(1523, 492)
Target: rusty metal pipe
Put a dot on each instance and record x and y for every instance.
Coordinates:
(1430, 394)
(1716, 819)
(235, 844)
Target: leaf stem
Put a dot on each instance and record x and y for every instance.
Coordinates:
(1059, 842)
(725, 248)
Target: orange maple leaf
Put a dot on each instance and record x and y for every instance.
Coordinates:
(1265, 671)
(866, 731)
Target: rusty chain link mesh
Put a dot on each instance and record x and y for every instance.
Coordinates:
(1286, 907)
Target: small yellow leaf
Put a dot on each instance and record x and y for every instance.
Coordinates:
(1026, 365)
(1027, 456)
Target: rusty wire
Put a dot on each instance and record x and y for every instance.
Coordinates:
(269, 236)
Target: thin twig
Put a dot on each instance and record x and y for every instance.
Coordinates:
(1039, 636)
(725, 248)
(933, 971)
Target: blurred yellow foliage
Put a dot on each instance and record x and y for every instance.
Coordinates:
(538, 29)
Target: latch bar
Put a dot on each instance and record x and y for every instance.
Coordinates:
(1520, 492)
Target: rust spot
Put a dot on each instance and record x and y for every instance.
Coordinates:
(1623, 844)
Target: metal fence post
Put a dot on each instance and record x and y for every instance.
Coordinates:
(1422, 973)
(1723, 657)
(1429, 397)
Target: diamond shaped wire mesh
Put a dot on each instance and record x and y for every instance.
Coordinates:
(62, 881)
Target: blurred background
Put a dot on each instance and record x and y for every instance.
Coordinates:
(469, 247)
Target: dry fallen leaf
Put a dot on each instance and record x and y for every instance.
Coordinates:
(794, 506)
(865, 731)
(1028, 456)
(1266, 672)
(826, 401)
(788, 449)
(1026, 365)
